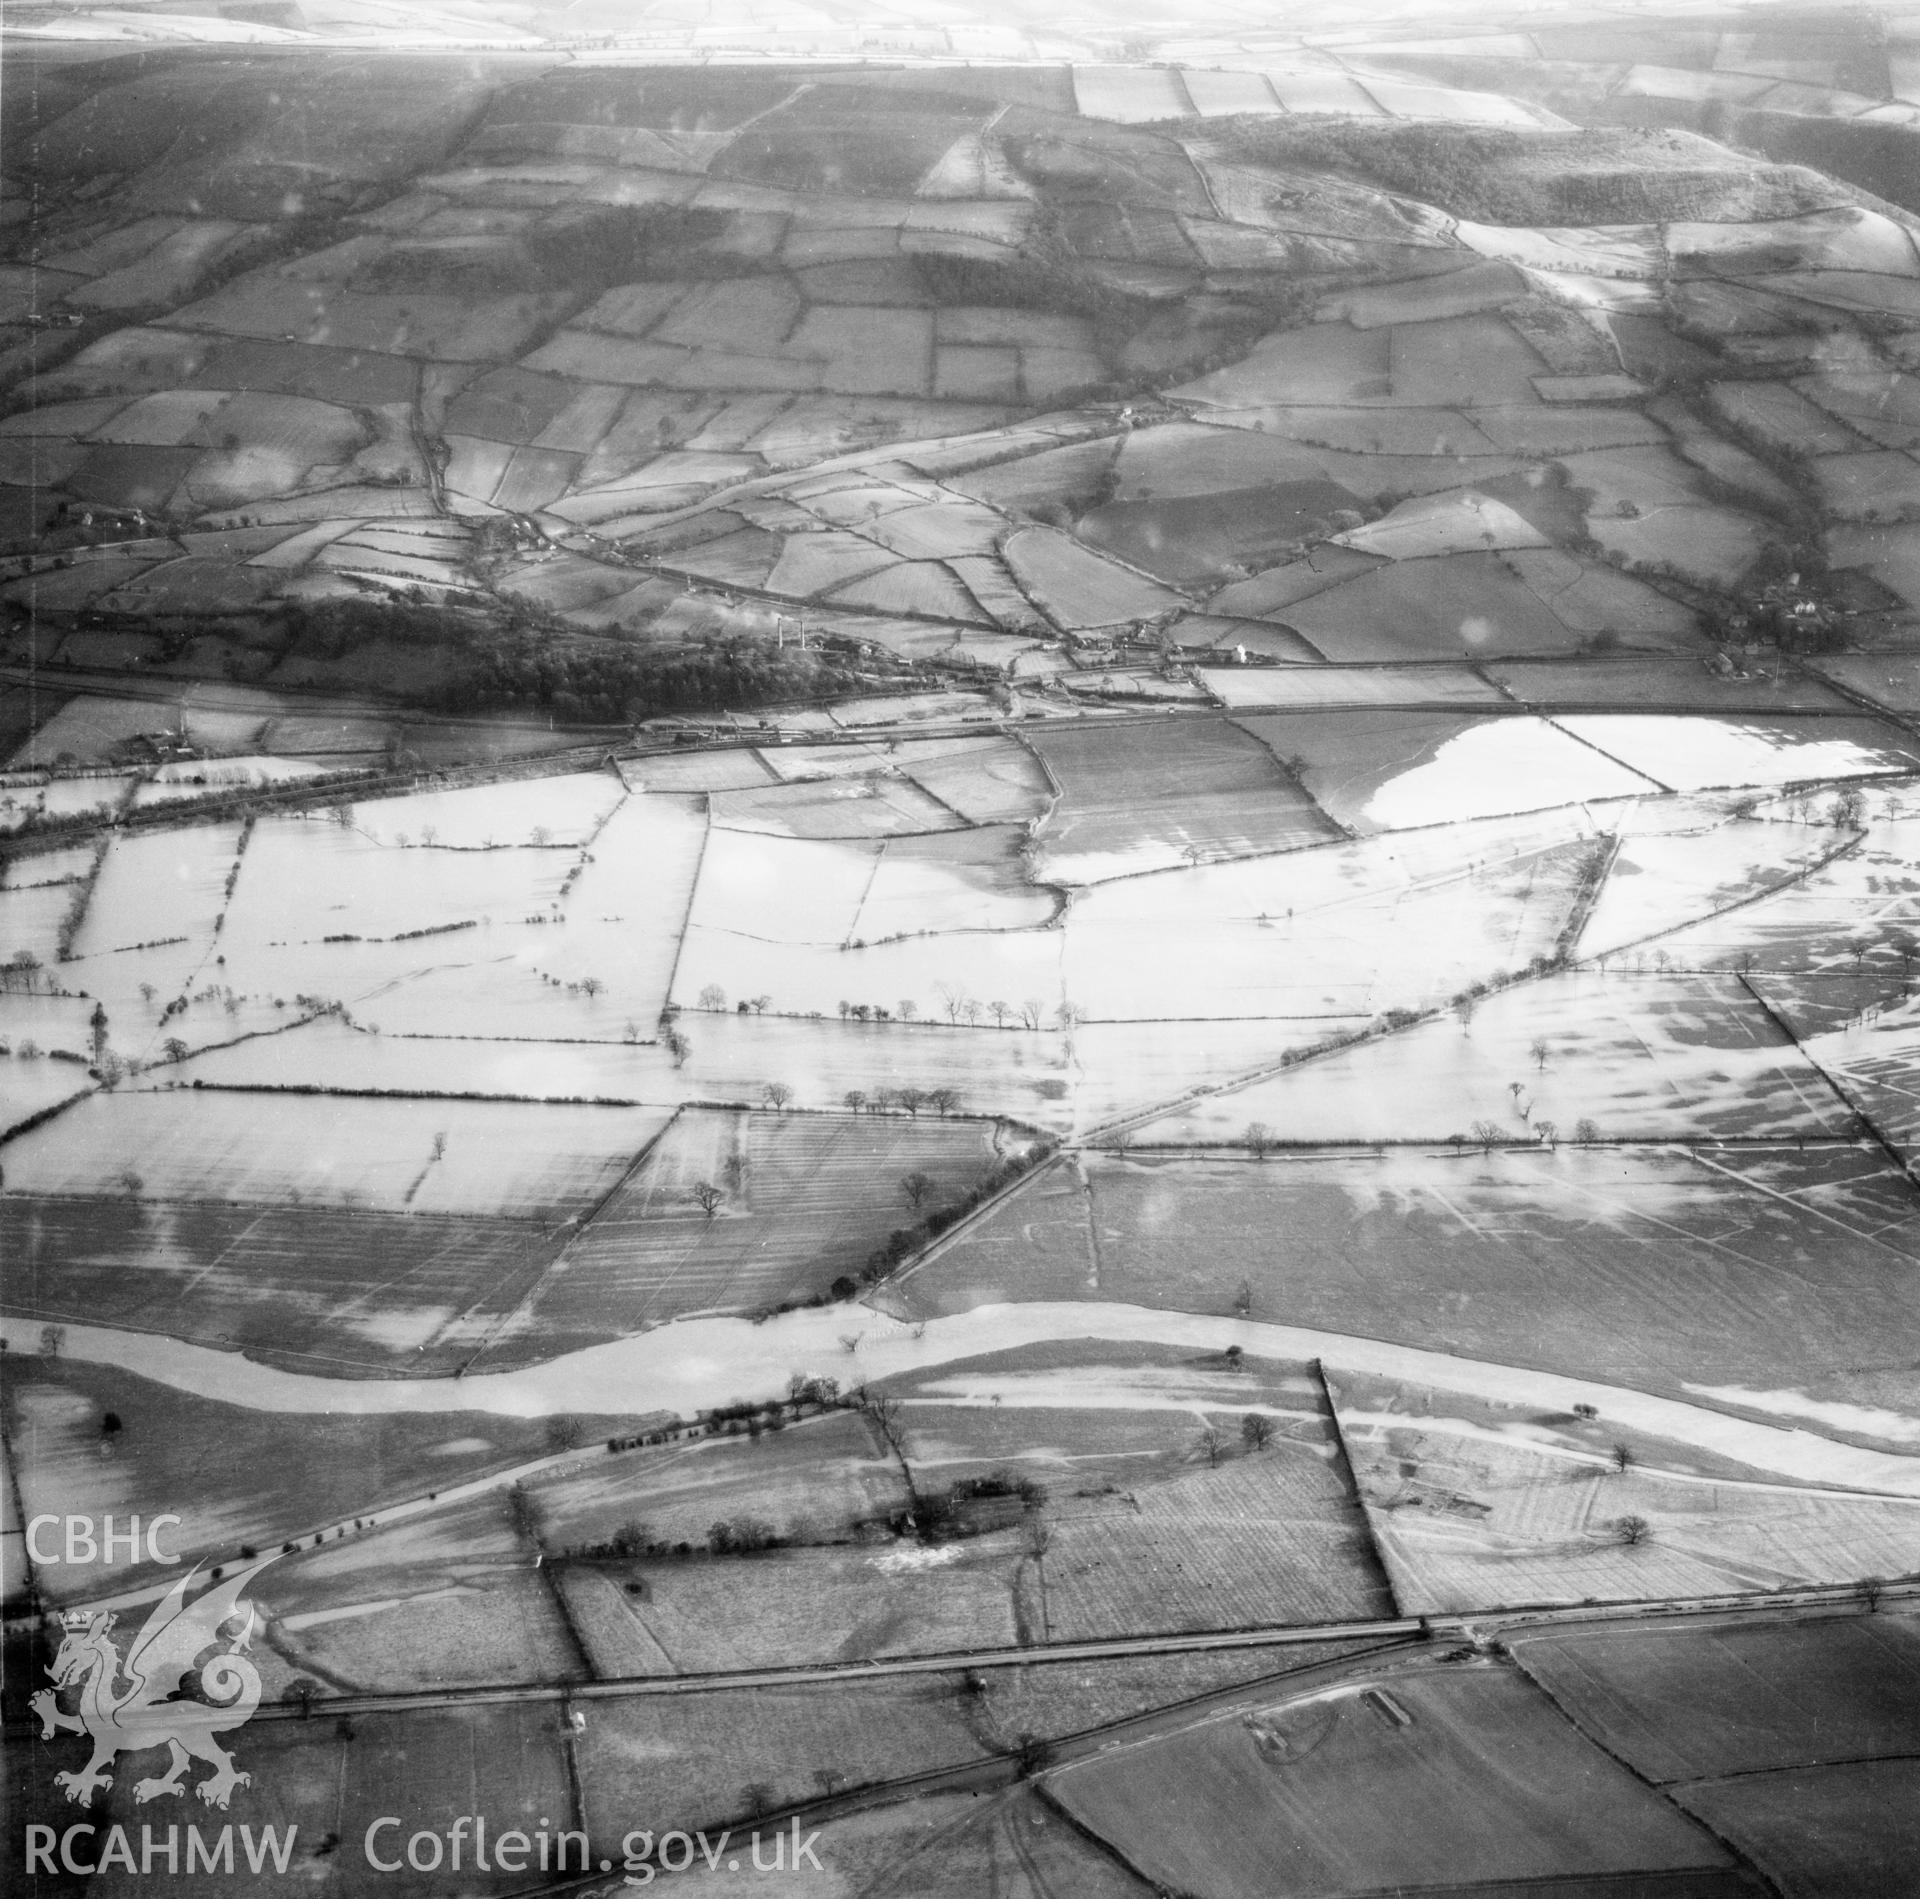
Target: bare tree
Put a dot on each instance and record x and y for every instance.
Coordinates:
(908, 1009)
(1001, 1012)
(943, 1100)
(1539, 1049)
(911, 1099)
(1487, 1135)
(1586, 1132)
(1256, 1431)
(677, 1046)
(1872, 1588)
(1211, 1444)
(706, 1196)
(1622, 1456)
(916, 1187)
(1632, 1531)
(1031, 1010)
(778, 1095)
(1259, 1139)
(1549, 1132)
(1243, 1299)
(856, 1099)
(712, 996)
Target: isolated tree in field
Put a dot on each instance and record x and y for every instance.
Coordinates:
(1622, 1456)
(174, 1049)
(1458, 1141)
(706, 1196)
(943, 1100)
(1211, 1444)
(147, 993)
(882, 1410)
(677, 1046)
(856, 1099)
(110, 1425)
(591, 986)
(778, 1095)
(1539, 1050)
(916, 1188)
(1549, 1132)
(1632, 1531)
(1256, 1431)
(758, 1004)
(1586, 1132)
(1487, 1135)
(1259, 1139)
(1235, 1355)
(1243, 1299)
(1872, 1588)
(1857, 948)
(524, 1514)
(53, 1340)
(440, 1146)
(1464, 1009)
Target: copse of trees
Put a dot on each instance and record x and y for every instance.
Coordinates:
(1599, 175)
(610, 681)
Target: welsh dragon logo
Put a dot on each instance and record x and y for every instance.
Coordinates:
(154, 1707)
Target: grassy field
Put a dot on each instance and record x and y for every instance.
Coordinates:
(1821, 921)
(1641, 1267)
(709, 1760)
(1474, 1507)
(1187, 792)
(795, 1606)
(460, 1158)
(1373, 771)
(359, 1293)
(1823, 1829)
(1271, 1537)
(1644, 1057)
(1683, 1704)
(803, 1201)
(1353, 929)
(1475, 1761)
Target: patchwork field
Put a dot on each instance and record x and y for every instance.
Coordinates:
(835, 842)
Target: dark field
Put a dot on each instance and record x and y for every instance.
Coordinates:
(1641, 1267)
